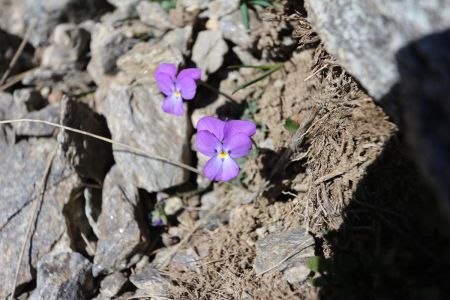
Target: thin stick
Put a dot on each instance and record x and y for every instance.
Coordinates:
(16, 55)
(16, 78)
(131, 148)
(37, 204)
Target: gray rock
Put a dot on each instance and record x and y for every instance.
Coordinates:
(365, 36)
(107, 45)
(151, 281)
(22, 169)
(112, 284)
(139, 64)
(193, 5)
(121, 225)
(151, 13)
(69, 44)
(135, 118)
(285, 252)
(63, 276)
(219, 8)
(44, 16)
(178, 38)
(209, 51)
(49, 113)
(233, 29)
(208, 202)
(90, 157)
(29, 97)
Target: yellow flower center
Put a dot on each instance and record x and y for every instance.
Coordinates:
(223, 154)
(177, 94)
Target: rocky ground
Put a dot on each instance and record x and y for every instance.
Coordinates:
(343, 196)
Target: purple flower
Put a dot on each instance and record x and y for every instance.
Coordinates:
(176, 88)
(223, 142)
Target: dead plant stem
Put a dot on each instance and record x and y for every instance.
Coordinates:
(16, 55)
(125, 146)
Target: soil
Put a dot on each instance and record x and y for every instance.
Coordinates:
(349, 181)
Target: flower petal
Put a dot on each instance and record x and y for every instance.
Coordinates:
(165, 83)
(207, 143)
(221, 169)
(169, 69)
(173, 105)
(213, 125)
(213, 168)
(187, 87)
(230, 169)
(194, 73)
(239, 126)
(238, 145)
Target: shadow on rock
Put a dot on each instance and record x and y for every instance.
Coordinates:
(394, 240)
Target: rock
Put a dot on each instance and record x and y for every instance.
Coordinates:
(151, 13)
(141, 62)
(69, 45)
(107, 45)
(346, 25)
(135, 117)
(219, 8)
(209, 51)
(90, 157)
(22, 169)
(193, 5)
(233, 29)
(121, 225)
(112, 284)
(93, 207)
(49, 113)
(179, 38)
(63, 276)
(29, 97)
(151, 281)
(172, 205)
(208, 202)
(285, 252)
(43, 16)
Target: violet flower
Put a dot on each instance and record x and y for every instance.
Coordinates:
(176, 88)
(223, 142)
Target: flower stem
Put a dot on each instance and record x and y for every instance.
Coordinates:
(107, 140)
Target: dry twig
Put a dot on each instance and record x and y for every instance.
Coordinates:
(125, 146)
(16, 55)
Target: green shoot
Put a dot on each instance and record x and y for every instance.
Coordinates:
(269, 70)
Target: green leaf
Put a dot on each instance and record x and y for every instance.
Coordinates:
(262, 3)
(244, 14)
(291, 125)
(260, 77)
(262, 67)
(317, 264)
